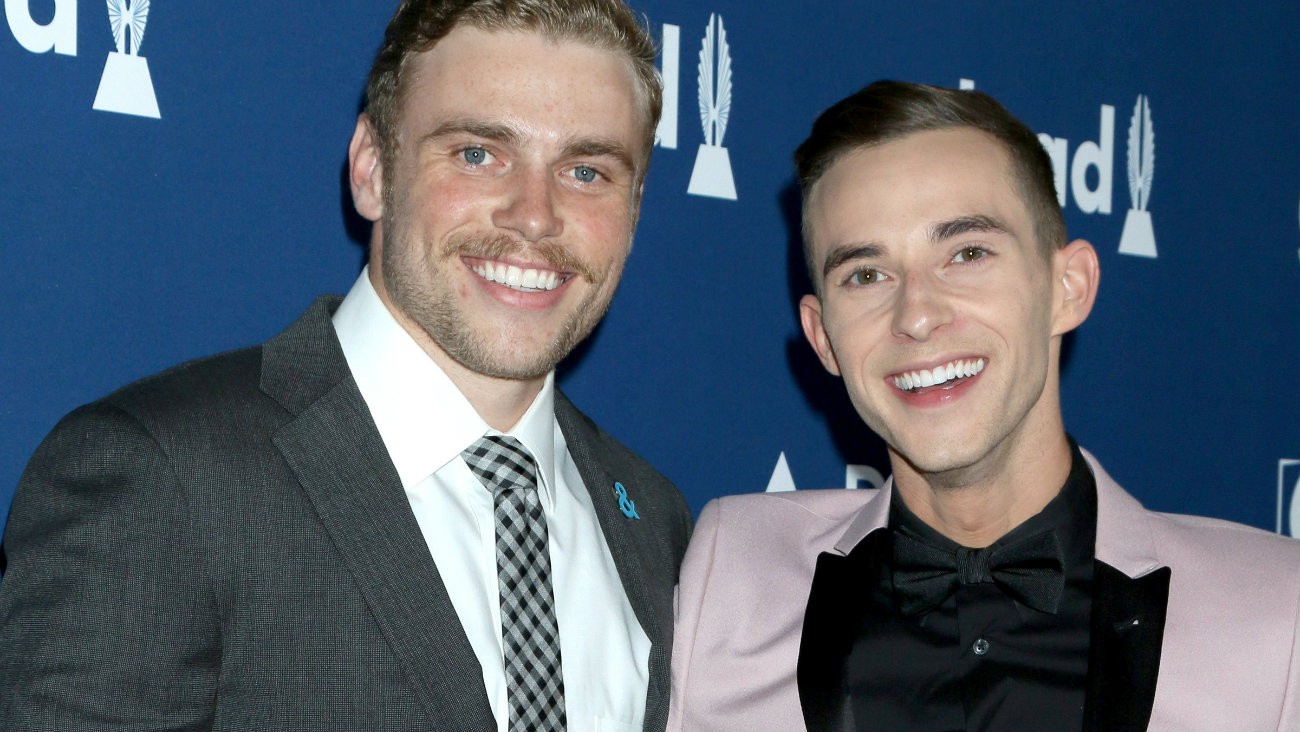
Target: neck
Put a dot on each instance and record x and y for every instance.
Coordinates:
(978, 504)
(500, 402)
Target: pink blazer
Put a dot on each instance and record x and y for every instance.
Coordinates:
(1228, 658)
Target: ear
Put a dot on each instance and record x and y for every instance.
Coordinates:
(810, 315)
(1076, 274)
(366, 171)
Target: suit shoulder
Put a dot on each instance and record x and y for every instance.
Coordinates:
(834, 504)
(188, 386)
(206, 407)
(1226, 539)
(769, 526)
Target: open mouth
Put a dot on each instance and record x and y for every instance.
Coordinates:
(519, 278)
(945, 375)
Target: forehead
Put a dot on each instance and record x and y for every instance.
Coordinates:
(904, 186)
(520, 77)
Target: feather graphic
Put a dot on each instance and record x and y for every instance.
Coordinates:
(1148, 153)
(722, 105)
(715, 101)
(115, 8)
(706, 82)
(128, 23)
(1141, 153)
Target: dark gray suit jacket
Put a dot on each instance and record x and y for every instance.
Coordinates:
(227, 546)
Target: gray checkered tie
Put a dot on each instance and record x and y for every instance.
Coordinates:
(529, 633)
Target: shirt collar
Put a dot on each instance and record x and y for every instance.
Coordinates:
(1072, 514)
(424, 420)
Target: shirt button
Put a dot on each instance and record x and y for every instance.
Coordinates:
(980, 647)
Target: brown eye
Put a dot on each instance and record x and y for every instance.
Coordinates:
(969, 254)
(866, 276)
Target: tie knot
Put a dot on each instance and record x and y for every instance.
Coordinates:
(1029, 570)
(973, 566)
(502, 463)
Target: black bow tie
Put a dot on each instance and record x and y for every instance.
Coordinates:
(1029, 570)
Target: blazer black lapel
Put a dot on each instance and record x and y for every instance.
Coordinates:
(1128, 625)
(339, 458)
(831, 624)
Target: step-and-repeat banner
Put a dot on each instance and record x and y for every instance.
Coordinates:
(172, 186)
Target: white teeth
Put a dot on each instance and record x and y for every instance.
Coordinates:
(939, 374)
(516, 278)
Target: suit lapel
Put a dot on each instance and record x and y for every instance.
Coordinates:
(832, 621)
(626, 539)
(1129, 603)
(623, 542)
(834, 614)
(334, 448)
(1128, 624)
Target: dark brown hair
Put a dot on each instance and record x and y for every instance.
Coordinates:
(889, 110)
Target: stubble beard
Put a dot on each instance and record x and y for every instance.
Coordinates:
(416, 275)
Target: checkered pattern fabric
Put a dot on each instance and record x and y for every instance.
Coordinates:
(530, 634)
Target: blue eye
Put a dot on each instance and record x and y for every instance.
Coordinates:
(474, 155)
(585, 174)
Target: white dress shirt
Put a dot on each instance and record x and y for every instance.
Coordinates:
(425, 423)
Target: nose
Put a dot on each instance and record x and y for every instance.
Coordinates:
(529, 207)
(921, 307)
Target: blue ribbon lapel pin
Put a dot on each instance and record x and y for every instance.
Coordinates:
(625, 504)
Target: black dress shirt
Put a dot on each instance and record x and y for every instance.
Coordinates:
(981, 660)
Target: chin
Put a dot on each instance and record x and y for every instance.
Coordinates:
(930, 459)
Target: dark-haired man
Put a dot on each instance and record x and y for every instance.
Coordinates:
(386, 518)
(1001, 580)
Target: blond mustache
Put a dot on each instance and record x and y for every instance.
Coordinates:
(499, 246)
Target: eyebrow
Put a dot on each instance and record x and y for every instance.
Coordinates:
(477, 128)
(961, 225)
(849, 252)
(600, 147)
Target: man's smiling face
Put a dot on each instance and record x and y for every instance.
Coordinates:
(938, 307)
(508, 206)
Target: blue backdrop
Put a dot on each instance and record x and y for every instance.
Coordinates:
(130, 242)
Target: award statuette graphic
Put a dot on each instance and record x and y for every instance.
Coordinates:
(1139, 238)
(712, 174)
(126, 86)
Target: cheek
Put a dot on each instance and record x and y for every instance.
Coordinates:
(440, 203)
(855, 343)
(604, 224)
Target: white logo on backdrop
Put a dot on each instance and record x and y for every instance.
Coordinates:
(1288, 486)
(666, 132)
(855, 476)
(58, 35)
(126, 86)
(781, 481)
(712, 174)
(1139, 237)
(1071, 176)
